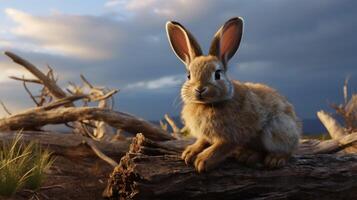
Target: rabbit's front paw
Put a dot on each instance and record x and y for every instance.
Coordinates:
(189, 153)
(275, 161)
(201, 162)
(205, 161)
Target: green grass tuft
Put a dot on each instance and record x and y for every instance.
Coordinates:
(22, 166)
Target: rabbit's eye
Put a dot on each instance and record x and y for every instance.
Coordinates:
(188, 75)
(217, 74)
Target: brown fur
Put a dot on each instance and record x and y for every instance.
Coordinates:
(248, 120)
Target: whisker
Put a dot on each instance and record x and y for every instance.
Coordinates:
(177, 102)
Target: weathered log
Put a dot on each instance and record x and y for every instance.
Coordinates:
(152, 170)
(338, 134)
(333, 127)
(69, 145)
(115, 119)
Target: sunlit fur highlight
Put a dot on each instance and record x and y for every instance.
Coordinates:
(256, 116)
(250, 121)
(202, 70)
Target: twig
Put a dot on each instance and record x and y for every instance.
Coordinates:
(30, 93)
(106, 96)
(51, 187)
(5, 108)
(173, 125)
(69, 91)
(26, 79)
(53, 105)
(163, 125)
(50, 73)
(87, 123)
(100, 154)
(43, 95)
(64, 101)
(87, 132)
(69, 126)
(86, 82)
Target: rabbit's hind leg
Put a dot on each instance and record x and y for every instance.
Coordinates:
(247, 156)
(275, 160)
(280, 138)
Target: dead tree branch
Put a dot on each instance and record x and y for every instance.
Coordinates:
(333, 127)
(51, 91)
(115, 119)
(55, 90)
(100, 154)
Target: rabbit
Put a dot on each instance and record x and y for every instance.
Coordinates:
(248, 121)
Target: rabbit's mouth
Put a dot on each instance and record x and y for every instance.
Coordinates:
(208, 96)
(200, 99)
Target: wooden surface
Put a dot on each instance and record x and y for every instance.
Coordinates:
(115, 119)
(69, 144)
(152, 170)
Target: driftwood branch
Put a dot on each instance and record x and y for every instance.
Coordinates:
(99, 153)
(115, 119)
(333, 127)
(69, 144)
(92, 122)
(55, 90)
(151, 170)
(346, 144)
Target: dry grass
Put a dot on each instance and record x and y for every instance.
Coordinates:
(22, 166)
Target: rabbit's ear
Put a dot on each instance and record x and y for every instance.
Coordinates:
(182, 42)
(227, 39)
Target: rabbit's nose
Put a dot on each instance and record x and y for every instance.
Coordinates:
(200, 90)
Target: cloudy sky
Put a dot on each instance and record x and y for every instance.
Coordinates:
(305, 48)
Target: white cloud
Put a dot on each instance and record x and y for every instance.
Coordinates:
(184, 9)
(162, 82)
(86, 37)
(5, 73)
(140, 4)
(113, 3)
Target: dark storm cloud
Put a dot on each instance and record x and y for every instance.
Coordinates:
(305, 49)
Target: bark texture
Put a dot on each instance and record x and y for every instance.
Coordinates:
(116, 119)
(69, 145)
(152, 170)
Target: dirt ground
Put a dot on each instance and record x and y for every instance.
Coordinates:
(72, 178)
